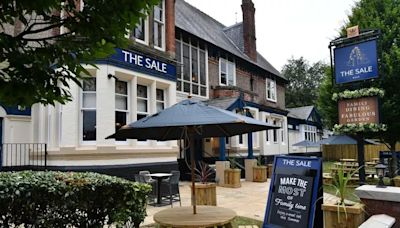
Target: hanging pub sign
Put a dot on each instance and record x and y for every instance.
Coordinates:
(359, 110)
(356, 62)
(293, 192)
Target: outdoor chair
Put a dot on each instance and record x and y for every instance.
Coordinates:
(170, 189)
(147, 176)
(142, 179)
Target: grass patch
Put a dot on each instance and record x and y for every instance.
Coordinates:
(238, 221)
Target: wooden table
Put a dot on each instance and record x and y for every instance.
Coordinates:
(159, 177)
(348, 160)
(207, 216)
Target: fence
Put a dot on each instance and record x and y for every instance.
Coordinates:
(336, 152)
(19, 156)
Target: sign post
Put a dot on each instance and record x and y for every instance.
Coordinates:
(293, 192)
(355, 59)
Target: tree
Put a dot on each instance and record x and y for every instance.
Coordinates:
(37, 62)
(304, 81)
(325, 105)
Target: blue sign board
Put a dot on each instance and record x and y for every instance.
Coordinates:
(356, 62)
(293, 192)
(139, 62)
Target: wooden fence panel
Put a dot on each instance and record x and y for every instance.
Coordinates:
(336, 152)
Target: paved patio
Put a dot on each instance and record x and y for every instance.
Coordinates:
(250, 200)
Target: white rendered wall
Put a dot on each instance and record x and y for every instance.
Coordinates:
(64, 123)
(270, 147)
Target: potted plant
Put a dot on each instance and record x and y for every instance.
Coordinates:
(206, 192)
(260, 171)
(342, 213)
(232, 175)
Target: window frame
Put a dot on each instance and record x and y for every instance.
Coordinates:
(127, 111)
(154, 21)
(147, 99)
(272, 90)
(180, 78)
(81, 111)
(146, 32)
(227, 63)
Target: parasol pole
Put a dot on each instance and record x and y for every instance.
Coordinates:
(192, 148)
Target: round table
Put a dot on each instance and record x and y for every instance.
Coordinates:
(159, 177)
(207, 216)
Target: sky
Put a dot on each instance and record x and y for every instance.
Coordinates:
(286, 28)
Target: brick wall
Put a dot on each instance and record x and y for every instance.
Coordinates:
(257, 95)
(373, 207)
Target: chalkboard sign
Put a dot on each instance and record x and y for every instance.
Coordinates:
(293, 192)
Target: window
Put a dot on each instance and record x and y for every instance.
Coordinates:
(282, 130)
(140, 31)
(142, 102)
(271, 89)
(192, 69)
(310, 133)
(227, 72)
(267, 132)
(121, 104)
(275, 132)
(159, 25)
(88, 110)
(152, 28)
(160, 100)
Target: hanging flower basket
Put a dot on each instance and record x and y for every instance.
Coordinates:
(365, 92)
(358, 128)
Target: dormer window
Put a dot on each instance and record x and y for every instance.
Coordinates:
(227, 72)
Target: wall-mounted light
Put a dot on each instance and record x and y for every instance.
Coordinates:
(111, 76)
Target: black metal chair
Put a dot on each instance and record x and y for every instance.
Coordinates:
(170, 188)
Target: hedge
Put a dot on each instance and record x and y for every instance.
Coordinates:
(60, 199)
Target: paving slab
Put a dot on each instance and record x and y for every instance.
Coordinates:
(249, 200)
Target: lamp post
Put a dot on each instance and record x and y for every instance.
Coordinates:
(380, 171)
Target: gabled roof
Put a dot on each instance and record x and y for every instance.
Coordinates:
(300, 112)
(192, 20)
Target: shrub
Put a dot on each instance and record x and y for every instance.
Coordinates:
(59, 199)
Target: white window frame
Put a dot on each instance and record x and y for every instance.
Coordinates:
(146, 33)
(272, 90)
(267, 132)
(180, 78)
(86, 142)
(226, 70)
(162, 48)
(161, 101)
(146, 142)
(127, 111)
(311, 131)
(275, 122)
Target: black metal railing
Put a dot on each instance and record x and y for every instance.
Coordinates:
(20, 156)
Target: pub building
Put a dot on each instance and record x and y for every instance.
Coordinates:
(176, 52)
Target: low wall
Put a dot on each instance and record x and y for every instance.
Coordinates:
(381, 201)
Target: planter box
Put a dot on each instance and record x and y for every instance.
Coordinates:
(260, 174)
(396, 181)
(206, 194)
(355, 216)
(232, 178)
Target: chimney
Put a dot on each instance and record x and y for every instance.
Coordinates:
(249, 29)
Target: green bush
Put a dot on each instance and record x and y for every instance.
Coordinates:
(59, 199)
